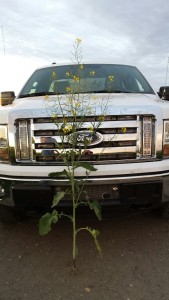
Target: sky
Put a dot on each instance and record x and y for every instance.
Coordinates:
(37, 33)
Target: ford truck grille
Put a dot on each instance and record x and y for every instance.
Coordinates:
(126, 137)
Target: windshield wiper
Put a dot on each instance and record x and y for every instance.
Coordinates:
(37, 94)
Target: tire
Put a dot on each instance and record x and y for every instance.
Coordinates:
(9, 215)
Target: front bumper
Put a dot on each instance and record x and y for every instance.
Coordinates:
(118, 184)
(117, 171)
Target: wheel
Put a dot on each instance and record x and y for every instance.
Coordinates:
(9, 215)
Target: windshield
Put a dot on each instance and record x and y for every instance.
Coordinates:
(87, 78)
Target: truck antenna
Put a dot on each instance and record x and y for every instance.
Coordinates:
(166, 77)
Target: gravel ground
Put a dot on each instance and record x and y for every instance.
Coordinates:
(134, 264)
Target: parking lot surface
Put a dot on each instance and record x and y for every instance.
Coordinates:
(134, 263)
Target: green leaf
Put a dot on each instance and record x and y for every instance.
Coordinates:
(64, 173)
(95, 233)
(85, 165)
(95, 205)
(46, 221)
(57, 198)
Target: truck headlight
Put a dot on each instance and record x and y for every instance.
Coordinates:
(4, 153)
(166, 139)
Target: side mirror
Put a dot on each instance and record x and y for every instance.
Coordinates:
(6, 98)
(164, 92)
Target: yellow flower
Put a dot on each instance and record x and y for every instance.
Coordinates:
(81, 66)
(78, 40)
(124, 129)
(54, 116)
(91, 128)
(67, 74)
(92, 73)
(95, 97)
(76, 78)
(68, 89)
(69, 100)
(67, 129)
(77, 104)
(53, 74)
(101, 118)
(111, 77)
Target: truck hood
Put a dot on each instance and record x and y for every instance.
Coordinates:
(117, 104)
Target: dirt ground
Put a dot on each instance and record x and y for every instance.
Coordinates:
(134, 265)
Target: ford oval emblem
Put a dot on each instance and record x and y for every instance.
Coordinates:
(85, 138)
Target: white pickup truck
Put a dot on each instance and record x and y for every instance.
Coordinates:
(133, 169)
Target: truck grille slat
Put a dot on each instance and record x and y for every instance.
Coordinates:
(115, 126)
(86, 118)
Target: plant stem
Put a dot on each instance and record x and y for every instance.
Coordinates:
(74, 234)
(74, 212)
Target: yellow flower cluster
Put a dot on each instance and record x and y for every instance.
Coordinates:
(78, 40)
(124, 129)
(67, 74)
(101, 118)
(54, 116)
(68, 89)
(91, 128)
(53, 74)
(111, 77)
(67, 129)
(76, 78)
(77, 104)
(69, 100)
(81, 66)
(92, 73)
